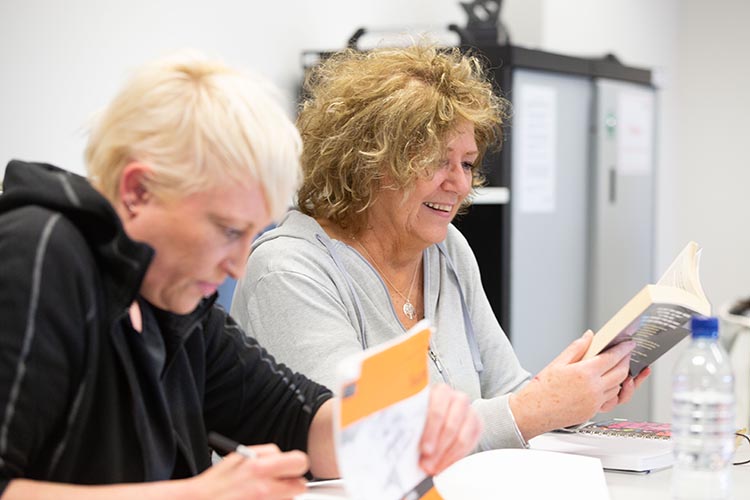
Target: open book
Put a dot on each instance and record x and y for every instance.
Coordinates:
(380, 417)
(658, 316)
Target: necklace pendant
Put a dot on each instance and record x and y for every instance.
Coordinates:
(409, 310)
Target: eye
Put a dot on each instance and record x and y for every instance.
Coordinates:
(232, 234)
(467, 165)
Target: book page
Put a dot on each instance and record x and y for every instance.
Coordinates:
(683, 272)
(380, 418)
(656, 317)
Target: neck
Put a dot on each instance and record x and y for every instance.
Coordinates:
(390, 254)
(400, 270)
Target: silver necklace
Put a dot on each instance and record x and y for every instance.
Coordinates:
(408, 308)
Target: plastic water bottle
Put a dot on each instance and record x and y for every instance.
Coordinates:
(703, 417)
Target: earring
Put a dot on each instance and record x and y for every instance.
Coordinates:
(129, 206)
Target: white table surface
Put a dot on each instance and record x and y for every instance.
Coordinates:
(622, 486)
(657, 485)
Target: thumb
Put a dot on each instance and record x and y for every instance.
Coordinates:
(575, 351)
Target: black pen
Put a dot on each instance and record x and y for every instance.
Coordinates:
(223, 443)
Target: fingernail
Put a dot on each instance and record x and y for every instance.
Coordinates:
(428, 448)
(428, 465)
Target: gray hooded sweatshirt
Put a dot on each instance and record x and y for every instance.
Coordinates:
(312, 300)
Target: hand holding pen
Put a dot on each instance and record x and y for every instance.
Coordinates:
(261, 471)
(225, 445)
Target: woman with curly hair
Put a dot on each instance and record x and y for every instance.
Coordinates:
(392, 144)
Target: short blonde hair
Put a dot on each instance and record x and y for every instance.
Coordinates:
(197, 123)
(387, 112)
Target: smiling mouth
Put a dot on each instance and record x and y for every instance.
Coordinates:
(439, 207)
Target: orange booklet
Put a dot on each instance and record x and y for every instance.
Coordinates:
(380, 417)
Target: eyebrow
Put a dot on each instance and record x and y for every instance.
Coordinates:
(468, 153)
(229, 221)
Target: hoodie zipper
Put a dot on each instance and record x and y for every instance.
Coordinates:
(438, 365)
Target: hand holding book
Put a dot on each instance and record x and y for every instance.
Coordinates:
(393, 431)
(451, 430)
(570, 389)
(656, 317)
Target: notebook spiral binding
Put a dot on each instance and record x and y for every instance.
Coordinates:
(636, 430)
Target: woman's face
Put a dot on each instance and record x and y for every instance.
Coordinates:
(199, 240)
(421, 217)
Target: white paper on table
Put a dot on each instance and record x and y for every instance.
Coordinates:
(331, 489)
(522, 473)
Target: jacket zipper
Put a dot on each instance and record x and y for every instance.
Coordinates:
(438, 365)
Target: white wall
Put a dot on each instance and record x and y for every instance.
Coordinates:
(712, 151)
(61, 61)
(640, 33)
(699, 52)
(712, 168)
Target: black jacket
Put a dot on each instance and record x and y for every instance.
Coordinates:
(75, 405)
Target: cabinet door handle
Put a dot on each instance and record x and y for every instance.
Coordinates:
(612, 185)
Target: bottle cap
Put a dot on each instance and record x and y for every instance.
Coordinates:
(705, 326)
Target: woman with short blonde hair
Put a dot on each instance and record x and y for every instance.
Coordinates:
(116, 361)
(198, 123)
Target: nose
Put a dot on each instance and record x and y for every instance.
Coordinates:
(236, 260)
(233, 266)
(458, 179)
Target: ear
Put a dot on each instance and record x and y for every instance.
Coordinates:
(132, 190)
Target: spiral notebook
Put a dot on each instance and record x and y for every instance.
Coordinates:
(627, 428)
(621, 445)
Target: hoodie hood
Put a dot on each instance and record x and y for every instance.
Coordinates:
(122, 261)
(294, 225)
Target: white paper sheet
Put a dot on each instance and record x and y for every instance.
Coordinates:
(519, 473)
(635, 133)
(536, 138)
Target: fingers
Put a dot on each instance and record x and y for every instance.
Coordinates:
(275, 488)
(609, 359)
(642, 376)
(575, 351)
(271, 474)
(292, 464)
(609, 404)
(627, 391)
(451, 431)
(465, 441)
(629, 385)
(435, 417)
(617, 374)
(263, 450)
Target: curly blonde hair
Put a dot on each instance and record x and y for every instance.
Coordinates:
(387, 112)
